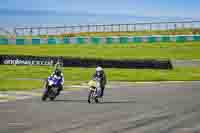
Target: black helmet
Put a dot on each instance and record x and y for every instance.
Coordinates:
(57, 72)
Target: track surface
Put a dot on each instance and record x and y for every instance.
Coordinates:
(149, 108)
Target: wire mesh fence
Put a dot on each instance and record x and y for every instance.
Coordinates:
(136, 27)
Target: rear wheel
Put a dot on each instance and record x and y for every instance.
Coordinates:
(52, 98)
(96, 100)
(45, 95)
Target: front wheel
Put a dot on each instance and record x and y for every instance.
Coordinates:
(91, 96)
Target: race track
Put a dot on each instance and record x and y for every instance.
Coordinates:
(137, 108)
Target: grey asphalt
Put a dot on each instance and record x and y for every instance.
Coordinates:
(136, 108)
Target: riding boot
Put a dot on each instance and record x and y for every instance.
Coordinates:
(59, 90)
(102, 91)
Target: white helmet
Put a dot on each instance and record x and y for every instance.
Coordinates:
(98, 69)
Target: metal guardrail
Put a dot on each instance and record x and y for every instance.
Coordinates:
(58, 30)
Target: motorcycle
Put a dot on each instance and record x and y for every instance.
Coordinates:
(51, 89)
(94, 91)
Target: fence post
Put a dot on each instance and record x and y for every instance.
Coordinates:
(15, 30)
(39, 31)
(167, 26)
(134, 27)
(31, 32)
(175, 26)
(150, 27)
(104, 28)
(112, 27)
(96, 28)
(127, 30)
(183, 25)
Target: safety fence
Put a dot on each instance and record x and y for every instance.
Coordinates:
(100, 40)
(91, 28)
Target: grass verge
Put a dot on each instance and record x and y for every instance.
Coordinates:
(76, 75)
(11, 85)
(172, 50)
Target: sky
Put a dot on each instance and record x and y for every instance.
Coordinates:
(74, 12)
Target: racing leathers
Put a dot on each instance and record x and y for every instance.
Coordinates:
(102, 76)
(59, 75)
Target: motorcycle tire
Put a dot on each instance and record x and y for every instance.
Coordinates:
(96, 100)
(52, 98)
(90, 96)
(44, 97)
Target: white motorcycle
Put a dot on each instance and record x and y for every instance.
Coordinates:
(94, 91)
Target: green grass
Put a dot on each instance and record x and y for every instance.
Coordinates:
(189, 50)
(9, 85)
(7, 97)
(84, 74)
(172, 50)
(19, 85)
(76, 75)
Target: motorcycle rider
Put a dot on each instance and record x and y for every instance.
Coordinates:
(102, 76)
(58, 73)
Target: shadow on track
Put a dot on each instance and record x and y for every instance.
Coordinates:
(117, 102)
(71, 101)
